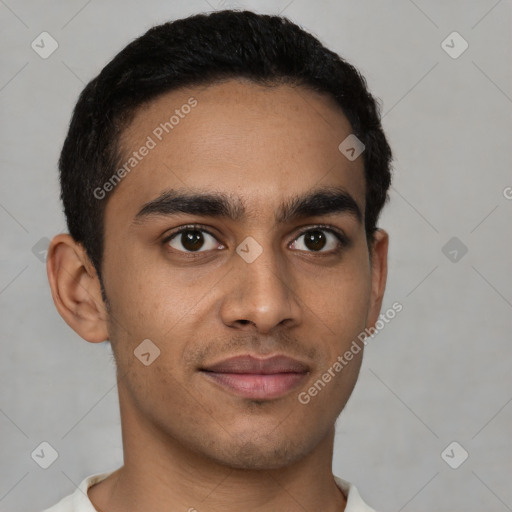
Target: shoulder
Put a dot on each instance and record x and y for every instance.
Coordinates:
(79, 500)
(354, 501)
(64, 505)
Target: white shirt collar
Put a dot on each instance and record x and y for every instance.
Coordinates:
(79, 500)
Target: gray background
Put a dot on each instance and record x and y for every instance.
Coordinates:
(439, 372)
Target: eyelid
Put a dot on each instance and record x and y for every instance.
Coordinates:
(343, 240)
(327, 227)
(187, 227)
(340, 235)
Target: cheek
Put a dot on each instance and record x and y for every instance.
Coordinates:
(141, 290)
(341, 298)
(155, 303)
(150, 299)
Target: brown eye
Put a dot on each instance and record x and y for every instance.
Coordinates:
(192, 240)
(315, 240)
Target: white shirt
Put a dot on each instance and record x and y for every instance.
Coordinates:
(79, 501)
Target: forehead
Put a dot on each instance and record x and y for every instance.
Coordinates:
(259, 143)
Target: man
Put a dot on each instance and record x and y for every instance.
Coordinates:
(222, 179)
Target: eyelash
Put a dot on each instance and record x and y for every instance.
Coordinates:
(342, 238)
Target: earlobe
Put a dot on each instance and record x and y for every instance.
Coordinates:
(76, 289)
(379, 272)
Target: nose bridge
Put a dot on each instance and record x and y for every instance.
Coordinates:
(260, 265)
(260, 291)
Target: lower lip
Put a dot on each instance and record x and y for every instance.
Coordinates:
(257, 386)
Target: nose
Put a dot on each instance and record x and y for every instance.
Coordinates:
(260, 294)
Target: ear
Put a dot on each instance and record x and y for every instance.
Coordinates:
(76, 289)
(379, 273)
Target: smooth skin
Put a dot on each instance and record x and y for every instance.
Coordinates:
(189, 443)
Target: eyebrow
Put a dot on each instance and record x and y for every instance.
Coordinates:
(319, 202)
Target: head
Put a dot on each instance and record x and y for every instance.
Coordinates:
(227, 127)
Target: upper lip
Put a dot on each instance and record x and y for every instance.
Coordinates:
(250, 364)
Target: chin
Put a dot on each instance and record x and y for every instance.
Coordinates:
(263, 455)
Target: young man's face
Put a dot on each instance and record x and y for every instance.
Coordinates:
(262, 283)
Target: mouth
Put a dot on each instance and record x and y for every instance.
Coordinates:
(256, 378)
(257, 386)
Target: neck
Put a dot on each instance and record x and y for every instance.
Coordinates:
(160, 474)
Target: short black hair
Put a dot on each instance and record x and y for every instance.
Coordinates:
(205, 49)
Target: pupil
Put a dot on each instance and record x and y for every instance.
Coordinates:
(315, 240)
(192, 240)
